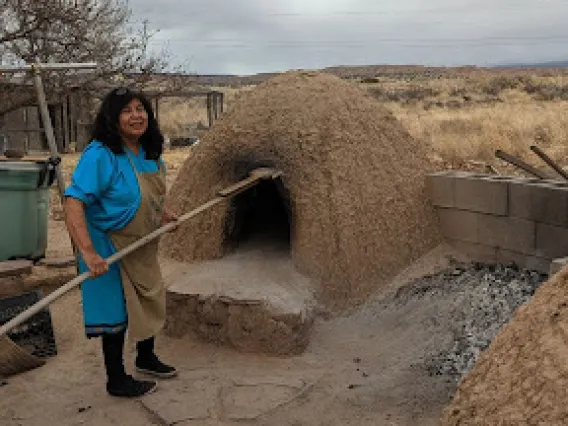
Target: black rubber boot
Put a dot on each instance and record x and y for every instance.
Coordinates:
(118, 382)
(147, 361)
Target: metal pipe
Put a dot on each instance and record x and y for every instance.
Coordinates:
(549, 161)
(521, 164)
(48, 67)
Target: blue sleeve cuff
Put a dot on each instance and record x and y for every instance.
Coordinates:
(74, 191)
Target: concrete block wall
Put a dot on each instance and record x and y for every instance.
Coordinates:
(502, 219)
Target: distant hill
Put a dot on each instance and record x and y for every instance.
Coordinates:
(549, 64)
(371, 73)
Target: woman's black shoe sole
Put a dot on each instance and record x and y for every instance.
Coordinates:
(156, 373)
(133, 392)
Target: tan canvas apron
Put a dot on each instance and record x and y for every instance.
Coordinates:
(140, 271)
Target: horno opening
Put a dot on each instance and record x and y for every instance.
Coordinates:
(259, 219)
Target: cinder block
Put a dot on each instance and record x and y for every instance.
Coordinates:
(482, 195)
(520, 199)
(520, 236)
(551, 241)
(478, 252)
(522, 260)
(540, 264)
(549, 203)
(557, 183)
(539, 200)
(463, 173)
(491, 229)
(509, 233)
(458, 224)
(509, 256)
(440, 188)
(498, 178)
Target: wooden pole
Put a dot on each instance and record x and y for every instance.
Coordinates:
(48, 127)
(65, 122)
(215, 105)
(549, 161)
(521, 164)
(73, 119)
(209, 109)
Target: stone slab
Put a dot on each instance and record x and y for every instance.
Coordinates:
(184, 398)
(227, 396)
(220, 397)
(58, 262)
(11, 268)
(39, 277)
(248, 402)
(252, 301)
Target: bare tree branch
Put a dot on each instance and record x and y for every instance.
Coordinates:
(71, 31)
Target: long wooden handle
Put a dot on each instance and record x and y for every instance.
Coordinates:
(38, 306)
(521, 164)
(255, 176)
(549, 161)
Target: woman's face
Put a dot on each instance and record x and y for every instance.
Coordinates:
(133, 120)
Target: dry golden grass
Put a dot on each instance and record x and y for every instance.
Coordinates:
(464, 121)
(182, 117)
(470, 134)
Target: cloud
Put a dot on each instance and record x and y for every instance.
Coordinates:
(250, 36)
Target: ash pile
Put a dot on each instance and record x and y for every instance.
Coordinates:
(482, 299)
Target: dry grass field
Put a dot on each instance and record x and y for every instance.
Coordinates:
(181, 117)
(464, 116)
(465, 120)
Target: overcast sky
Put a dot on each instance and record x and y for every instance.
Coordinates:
(250, 36)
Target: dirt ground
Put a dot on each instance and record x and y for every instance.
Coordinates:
(365, 368)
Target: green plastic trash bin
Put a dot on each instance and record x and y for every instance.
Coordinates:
(24, 208)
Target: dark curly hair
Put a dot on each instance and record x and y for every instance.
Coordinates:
(106, 127)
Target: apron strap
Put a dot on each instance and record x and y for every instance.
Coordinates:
(131, 162)
(161, 167)
(158, 163)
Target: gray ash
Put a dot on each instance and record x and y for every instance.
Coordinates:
(483, 298)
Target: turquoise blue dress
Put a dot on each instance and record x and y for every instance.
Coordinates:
(106, 183)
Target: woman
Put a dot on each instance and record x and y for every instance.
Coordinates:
(116, 197)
